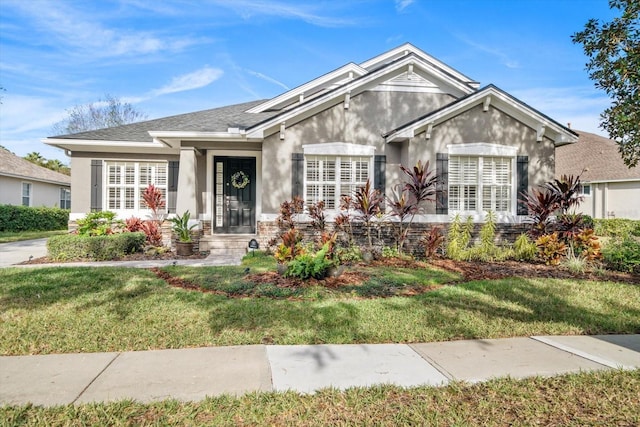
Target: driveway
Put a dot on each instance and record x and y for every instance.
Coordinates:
(16, 252)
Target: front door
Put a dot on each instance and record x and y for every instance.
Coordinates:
(235, 198)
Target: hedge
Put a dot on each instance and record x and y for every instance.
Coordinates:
(71, 247)
(23, 218)
(616, 227)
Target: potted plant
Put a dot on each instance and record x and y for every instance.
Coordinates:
(184, 244)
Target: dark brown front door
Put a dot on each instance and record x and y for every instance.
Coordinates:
(235, 198)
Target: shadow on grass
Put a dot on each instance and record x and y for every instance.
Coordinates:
(32, 289)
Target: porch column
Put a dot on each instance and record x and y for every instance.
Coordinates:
(187, 183)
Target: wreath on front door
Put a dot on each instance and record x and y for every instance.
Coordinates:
(239, 180)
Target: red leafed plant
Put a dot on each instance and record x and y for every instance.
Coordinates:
(151, 229)
(152, 197)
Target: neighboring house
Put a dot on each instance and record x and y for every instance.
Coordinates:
(24, 183)
(233, 166)
(610, 188)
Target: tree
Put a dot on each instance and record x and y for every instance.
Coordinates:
(104, 113)
(613, 49)
(36, 158)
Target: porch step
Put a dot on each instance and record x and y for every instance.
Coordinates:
(235, 242)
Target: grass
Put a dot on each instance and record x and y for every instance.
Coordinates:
(62, 310)
(12, 236)
(596, 398)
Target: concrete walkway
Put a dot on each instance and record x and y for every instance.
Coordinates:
(15, 252)
(192, 374)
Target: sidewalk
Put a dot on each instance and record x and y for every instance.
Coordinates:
(192, 374)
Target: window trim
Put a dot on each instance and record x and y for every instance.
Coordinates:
(485, 150)
(29, 196)
(137, 199)
(337, 151)
(65, 191)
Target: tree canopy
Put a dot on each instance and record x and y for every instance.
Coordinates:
(53, 164)
(613, 49)
(105, 113)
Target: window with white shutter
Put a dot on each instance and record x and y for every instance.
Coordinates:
(126, 181)
(479, 184)
(328, 178)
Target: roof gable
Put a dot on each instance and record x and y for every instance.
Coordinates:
(409, 64)
(487, 96)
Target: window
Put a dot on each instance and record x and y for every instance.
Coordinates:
(328, 178)
(65, 198)
(125, 182)
(478, 183)
(26, 194)
(585, 189)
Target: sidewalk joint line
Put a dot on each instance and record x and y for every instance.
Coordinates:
(95, 378)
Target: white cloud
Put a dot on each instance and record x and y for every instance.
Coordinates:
(307, 12)
(580, 106)
(403, 4)
(75, 32)
(504, 58)
(194, 80)
(267, 78)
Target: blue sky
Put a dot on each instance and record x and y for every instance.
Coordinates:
(176, 56)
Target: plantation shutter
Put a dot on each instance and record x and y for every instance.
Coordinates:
(379, 173)
(96, 185)
(522, 176)
(297, 175)
(442, 174)
(172, 190)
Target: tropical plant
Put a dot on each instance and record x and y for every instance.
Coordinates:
(290, 247)
(551, 249)
(524, 248)
(288, 210)
(343, 221)
(152, 231)
(419, 187)
(432, 241)
(566, 191)
(367, 202)
(310, 265)
(182, 228)
(153, 199)
(316, 212)
(99, 224)
(541, 206)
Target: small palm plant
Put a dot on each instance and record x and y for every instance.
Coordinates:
(182, 228)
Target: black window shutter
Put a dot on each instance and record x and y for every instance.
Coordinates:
(442, 185)
(172, 193)
(297, 175)
(96, 185)
(379, 173)
(522, 176)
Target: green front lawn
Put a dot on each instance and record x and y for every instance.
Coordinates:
(13, 236)
(601, 398)
(60, 310)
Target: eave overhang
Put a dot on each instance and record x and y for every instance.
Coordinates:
(272, 125)
(487, 96)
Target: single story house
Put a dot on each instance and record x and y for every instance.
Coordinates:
(233, 166)
(27, 184)
(609, 187)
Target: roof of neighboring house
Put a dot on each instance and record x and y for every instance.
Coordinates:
(17, 167)
(597, 156)
(212, 120)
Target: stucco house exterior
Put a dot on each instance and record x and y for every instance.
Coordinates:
(24, 183)
(610, 188)
(233, 166)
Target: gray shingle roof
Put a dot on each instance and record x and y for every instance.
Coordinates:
(12, 165)
(213, 120)
(599, 155)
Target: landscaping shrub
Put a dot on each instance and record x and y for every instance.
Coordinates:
(308, 265)
(23, 218)
(623, 255)
(551, 249)
(616, 227)
(524, 248)
(94, 248)
(99, 224)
